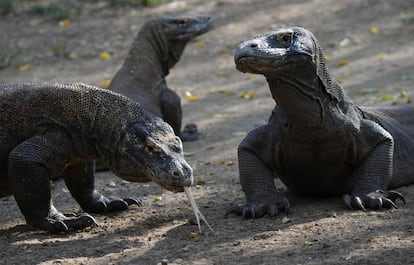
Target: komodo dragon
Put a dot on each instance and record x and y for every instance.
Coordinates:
(156, 49)
(51, 130)
(317, 142)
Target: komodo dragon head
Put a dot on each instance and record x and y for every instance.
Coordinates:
(152, 152)
(172, 33)
(288, 55)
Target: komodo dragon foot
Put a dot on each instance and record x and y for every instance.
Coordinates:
(376, 200)
(189, 133)
(97, 203)
(57, 222)
(259, 207)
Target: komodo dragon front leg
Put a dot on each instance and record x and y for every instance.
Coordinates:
(33, 163)
(257, 177)
(79, 179)
(374, 173)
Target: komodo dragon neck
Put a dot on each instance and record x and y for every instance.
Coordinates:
(146, 65)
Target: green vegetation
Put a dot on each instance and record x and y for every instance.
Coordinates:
(135, 2)
(6, 6)
(53, 11)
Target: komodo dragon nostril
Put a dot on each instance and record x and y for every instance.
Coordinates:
(253, 45)
(176, 172)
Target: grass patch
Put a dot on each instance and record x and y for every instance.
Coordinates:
(6, 6)
(135, 2)
(53, 11)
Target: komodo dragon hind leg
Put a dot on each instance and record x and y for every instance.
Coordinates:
(29, 167)
(80, 180)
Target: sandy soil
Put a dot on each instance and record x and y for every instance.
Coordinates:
(319, 231)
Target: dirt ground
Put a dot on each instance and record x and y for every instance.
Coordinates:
(371, 49)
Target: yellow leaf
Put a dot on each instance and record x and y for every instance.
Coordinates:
(104, 55)
(222, 73)
(106, 83)
(327, 57)
(342, 63)
(374, 30)
(198, 45)
(227, 162)
(201, 182)
(190, 97)
(248, 95)
(24, 67)
(157, 198)
(250, 77)
(371, 239)
(380, 56)
(222, 116)
(64, 23)
(192, 235)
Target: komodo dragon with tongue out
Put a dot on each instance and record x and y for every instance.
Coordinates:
(51, 130)
(155, 50)
(317, 141)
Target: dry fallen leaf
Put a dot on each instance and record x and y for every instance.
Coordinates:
(227, 162)
(157, 198)
(190, 97)
(192, 235)
(327, 57)
(106, 83)
(374, 30)
(342, 63)
(222, 73)
(198, 45)
(248, 95)
(64, 23)
(250, 77)
(24, 67)
(222, 116)
(104, 55)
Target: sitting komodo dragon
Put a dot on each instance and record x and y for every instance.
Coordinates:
(155, 50)
(317, 142)
(51, 130)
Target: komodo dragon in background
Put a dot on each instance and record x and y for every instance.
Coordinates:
(317, 141)
(51, 130)
(156, 49)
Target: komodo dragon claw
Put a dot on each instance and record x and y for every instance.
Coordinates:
(376, 200)
(257, 209)
(61, 223)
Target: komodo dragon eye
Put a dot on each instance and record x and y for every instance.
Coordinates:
(152, 147)
(182, 22)
(286, 37)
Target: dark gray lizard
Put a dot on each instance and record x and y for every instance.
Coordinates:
(155, 50)
(317, 142)
(51, 130)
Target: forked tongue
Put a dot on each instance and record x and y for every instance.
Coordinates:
(196, 211)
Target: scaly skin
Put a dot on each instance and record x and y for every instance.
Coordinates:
(317, 141)
(53, 130)
(156, 49)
